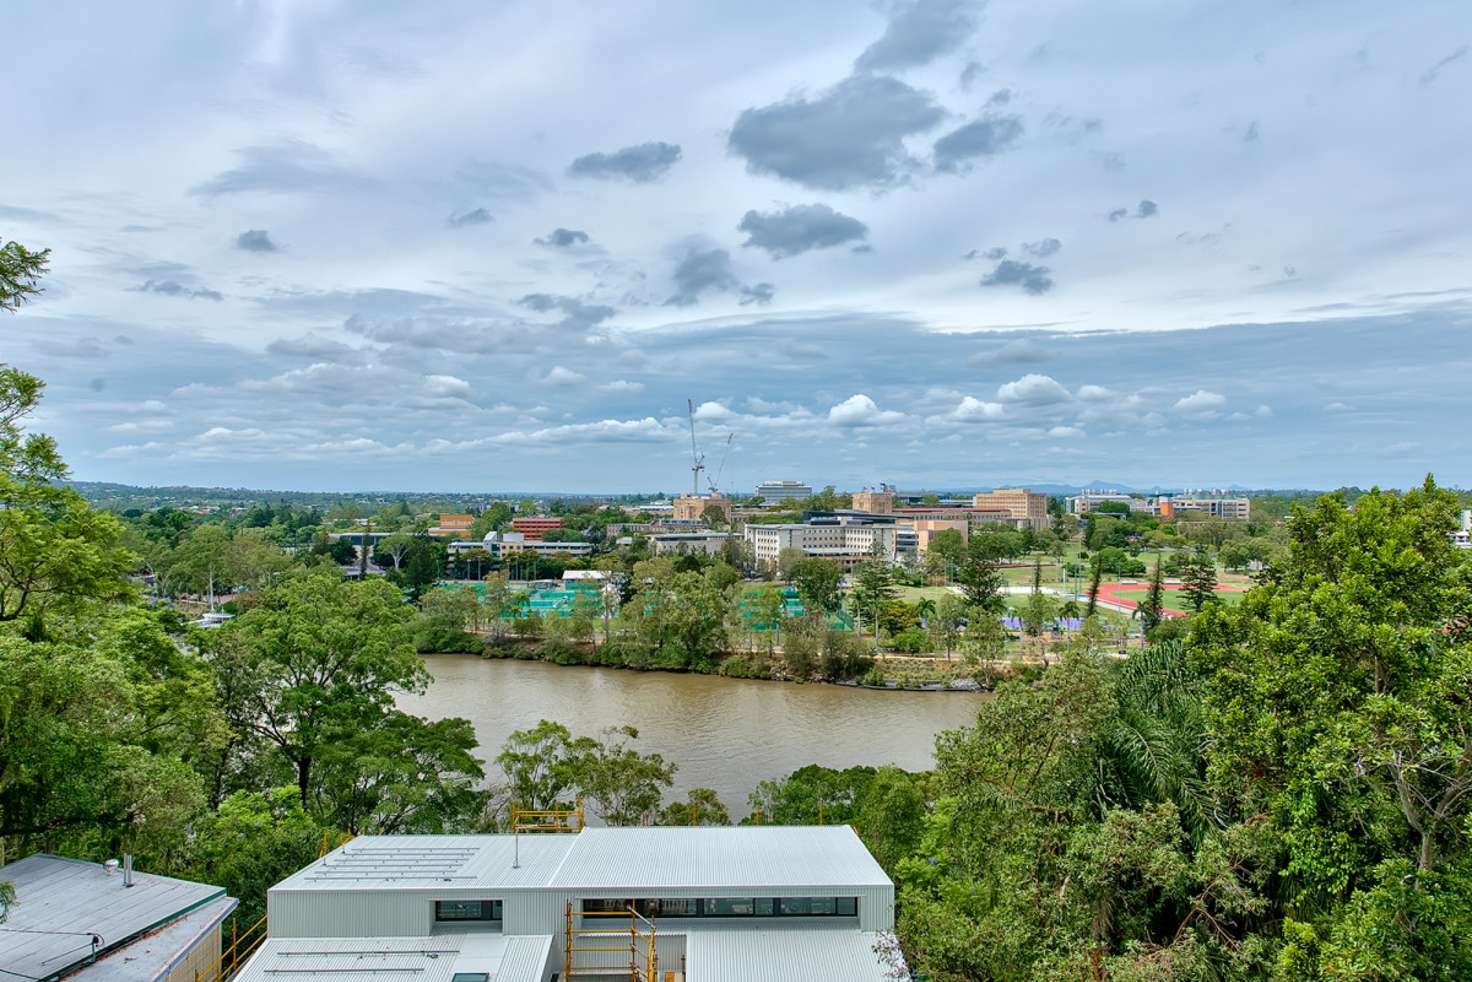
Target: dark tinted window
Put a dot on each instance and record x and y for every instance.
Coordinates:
(467, 910)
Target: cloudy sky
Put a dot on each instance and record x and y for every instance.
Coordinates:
(496, 245)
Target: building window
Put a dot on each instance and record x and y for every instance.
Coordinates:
(732, 906)
(467, 910)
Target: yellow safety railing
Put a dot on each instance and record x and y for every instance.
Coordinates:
(234, 956)
(643, 963)
(327, 841)
(548, 819)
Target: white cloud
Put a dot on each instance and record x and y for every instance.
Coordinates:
(712, 412)
(143, 426)
(860, 410)
(1095, 393)
(1033, 389)
(621, 385)
(973, 410)
(447, 385)
(563, 376)
(1065, 432)
(646, 430)
(1199, 403)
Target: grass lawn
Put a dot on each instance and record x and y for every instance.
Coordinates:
(910, 594)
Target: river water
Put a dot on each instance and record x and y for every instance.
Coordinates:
(725, 734)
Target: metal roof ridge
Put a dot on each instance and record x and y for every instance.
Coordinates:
(551, 879)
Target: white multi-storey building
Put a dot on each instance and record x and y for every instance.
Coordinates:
(771, 491)
(688, 904)
(847, 544)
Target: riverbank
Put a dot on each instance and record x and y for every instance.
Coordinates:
(880, 673)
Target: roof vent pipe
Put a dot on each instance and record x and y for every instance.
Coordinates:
(127, 869)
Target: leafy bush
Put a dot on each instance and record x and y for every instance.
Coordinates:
(912, 641)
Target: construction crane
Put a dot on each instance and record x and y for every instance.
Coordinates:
(715, 484)
(697, 462)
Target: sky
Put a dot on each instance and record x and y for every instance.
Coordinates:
(480, 246)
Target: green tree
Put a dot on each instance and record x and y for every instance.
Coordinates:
(817, 582)
(978, 576)
(1096, 579)
(873, 588)
(323, 656)
(54, 548)
(623, 786)
(1198, 582)
(20, 274)
(1153, 606)
(702, 806)
(950, 612)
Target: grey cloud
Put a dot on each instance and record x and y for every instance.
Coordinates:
(285, 168)
(1019, 352)
(1250, 135)
(759, 293)
(255, 240)
(1435, 70)
(709, 270)
(312, 346)
(1000, 97)
(1011, 272)
(1145, 209)
(173, 288)
(918, 32)
(641, 163)
(852, 135)
(985, 137)
(12, 213)
(970, 73)
(1043, 248)
(492, 179)
(796, 230)
(563, 238)
(575, 313)
(465, 219)
(995, 253)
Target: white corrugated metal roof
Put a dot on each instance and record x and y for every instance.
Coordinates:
(827, 955)
(158, 952)
(64, 904)
(426, 861)
(722, 857)
(504, 958)
(741, 856)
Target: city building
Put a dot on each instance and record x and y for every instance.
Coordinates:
(500, 544)
(107, 922)
(1227, 509)
(847, 543)
(535, 527)
(452, 526)
(1082, 504)
(772, 492)
(706, 543)
(879, 502)
(927, 529)
(1027, 508)
(1462, 537)
(692, 506)
(714, 904)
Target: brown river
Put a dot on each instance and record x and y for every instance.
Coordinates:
(725, 734)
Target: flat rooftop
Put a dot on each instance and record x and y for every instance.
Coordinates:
(601, 858)
(503, 958)
(69, 911)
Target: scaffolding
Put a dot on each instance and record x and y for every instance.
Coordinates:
(621, 946)
(234, 956)
(548, 819)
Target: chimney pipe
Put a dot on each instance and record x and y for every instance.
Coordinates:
(127, 869)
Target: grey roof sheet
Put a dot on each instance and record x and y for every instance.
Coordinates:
(720, 857)
(63, 903)
(811, 955)
(795, 856)
(407, 862)
(153, 955)
(505, 958)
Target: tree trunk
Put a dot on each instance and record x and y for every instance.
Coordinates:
(303, 777)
